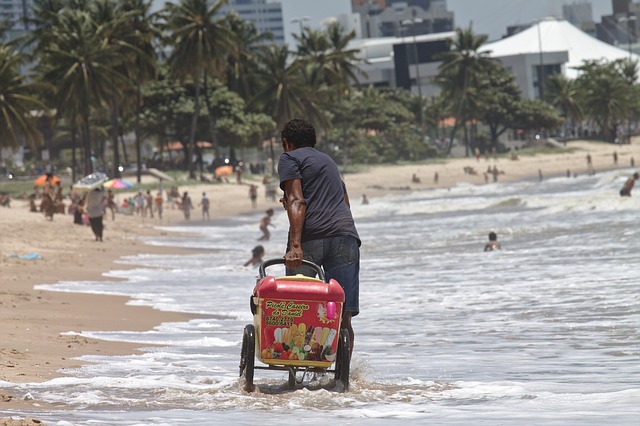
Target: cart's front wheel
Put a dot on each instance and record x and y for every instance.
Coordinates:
(343, 359)
(247, 356)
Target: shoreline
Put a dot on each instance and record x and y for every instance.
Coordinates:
(31, 321)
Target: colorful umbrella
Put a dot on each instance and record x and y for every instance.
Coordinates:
(118, 184)
(42, 180)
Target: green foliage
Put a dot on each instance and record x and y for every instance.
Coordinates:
(169, 108)
(536, 115)
(224, 82)
(497, 100)
(376, 126)
(17, 101)
(606, 93)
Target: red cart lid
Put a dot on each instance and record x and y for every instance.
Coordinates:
(299, 287)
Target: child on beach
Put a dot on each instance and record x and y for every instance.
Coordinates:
(264, 224)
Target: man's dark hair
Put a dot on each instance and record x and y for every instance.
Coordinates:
(299, 133)
(493, 236)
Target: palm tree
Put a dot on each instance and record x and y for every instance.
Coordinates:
(199, 45)
(329, 60)
(110, 20)
(242, 64)
(563, 94)
(283, 89)
(17, 101)
(459, 71)
(343, 61)
(82, 68)
(142, 36)
(281, 94)
(606, 95)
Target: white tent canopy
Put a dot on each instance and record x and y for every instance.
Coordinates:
(553, 35)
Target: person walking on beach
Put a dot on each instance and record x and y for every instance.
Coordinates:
(628, 185)
(96, 204)
(111, 204)
(321, 226)
(139, 200)
(148, 203)
(253, 195)
(493, 243)
(158, 200)
(265, 223)
(204, 202)
(186, 205)
(590, 165)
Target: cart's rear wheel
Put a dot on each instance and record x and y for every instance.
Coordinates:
(343, 359)
(247, 356)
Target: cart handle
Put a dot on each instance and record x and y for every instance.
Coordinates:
(280, 261)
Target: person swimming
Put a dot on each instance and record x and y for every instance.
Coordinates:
(493, 243)
(628, 185)
(256, 256)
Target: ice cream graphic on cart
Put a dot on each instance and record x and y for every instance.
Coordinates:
(300, 342)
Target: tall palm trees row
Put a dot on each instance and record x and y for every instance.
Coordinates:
(93, 57)
(97, 62)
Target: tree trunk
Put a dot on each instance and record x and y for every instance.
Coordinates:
(458, 113)
(124, 148)
(212, 122)
(137, 133)
(86, 143)
(74, 161)
(114, 136)
(465, 131)
(194, 125)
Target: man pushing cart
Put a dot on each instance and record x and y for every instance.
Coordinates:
(322, 238)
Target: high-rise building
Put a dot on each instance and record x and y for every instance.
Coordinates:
(623, 26)
(580, 14)
(13, 12)
(266, 17)
(405, 18)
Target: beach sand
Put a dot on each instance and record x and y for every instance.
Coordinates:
(37, 327)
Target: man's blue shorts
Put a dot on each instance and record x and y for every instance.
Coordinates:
(340, 259)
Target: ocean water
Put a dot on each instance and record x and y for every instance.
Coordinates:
(545, 331)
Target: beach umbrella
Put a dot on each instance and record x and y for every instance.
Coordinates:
(118, 184)
(224, 171)
(47, 177)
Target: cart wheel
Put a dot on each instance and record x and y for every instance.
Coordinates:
(343, 359)
(292, 378)
(247, 356)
